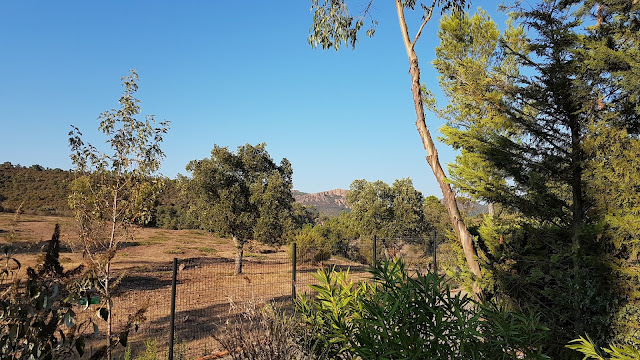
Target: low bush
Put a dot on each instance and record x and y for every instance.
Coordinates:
(413, 317)
(312, 247)
(265, 334)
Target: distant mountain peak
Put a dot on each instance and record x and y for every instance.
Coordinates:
(329, 203)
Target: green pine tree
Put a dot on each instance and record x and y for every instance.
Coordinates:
(546, 128)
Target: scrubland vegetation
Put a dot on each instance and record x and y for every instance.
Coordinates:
(545, 114)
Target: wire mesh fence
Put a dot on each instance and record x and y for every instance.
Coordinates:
(209, 294)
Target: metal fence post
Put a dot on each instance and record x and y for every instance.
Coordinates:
(293, 271)
(375, 250)
(173, 307)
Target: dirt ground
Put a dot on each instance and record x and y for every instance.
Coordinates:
(208, 292)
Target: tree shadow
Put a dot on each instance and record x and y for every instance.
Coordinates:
(128, 244)
(194, 262)
(194, 328)
(143, 283)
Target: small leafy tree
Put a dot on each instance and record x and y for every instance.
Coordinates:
(312, 247)
(114, 190)
(245, 195)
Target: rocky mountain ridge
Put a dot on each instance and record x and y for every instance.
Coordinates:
(329, 203)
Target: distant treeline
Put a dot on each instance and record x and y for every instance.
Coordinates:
(37, 190)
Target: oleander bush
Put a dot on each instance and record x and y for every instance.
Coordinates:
(414, 316)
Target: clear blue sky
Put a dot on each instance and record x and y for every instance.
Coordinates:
(223, 72)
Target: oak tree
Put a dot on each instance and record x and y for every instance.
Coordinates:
(390, 213)
(244, 195)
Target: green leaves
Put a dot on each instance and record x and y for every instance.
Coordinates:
(80, 345)
(34, 312)
(333, 24)
(386, 211)
(392, 318)
(114, 189)
(123, 338)
(589, 350)
(405, 309)
(103, 314)
(331, 314)
(70, 319)
(475, 75)
(244, 194)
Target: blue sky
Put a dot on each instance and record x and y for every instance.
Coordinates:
(222, 73)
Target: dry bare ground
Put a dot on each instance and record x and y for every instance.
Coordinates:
(208, 292)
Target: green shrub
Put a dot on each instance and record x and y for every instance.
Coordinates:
(150, 351)
(331, 316)
(581, 291)
(207, 249)
(312, 247)
(414, 317)
(589, 350)
(34, 313)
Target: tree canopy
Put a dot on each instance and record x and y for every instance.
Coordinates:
(541, 118)
(386, 211)
(245, 195)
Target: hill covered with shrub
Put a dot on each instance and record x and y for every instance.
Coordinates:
(34, 189)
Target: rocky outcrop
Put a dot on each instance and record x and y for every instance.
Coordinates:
(329, 203)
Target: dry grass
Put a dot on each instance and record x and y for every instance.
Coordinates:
(208, 293)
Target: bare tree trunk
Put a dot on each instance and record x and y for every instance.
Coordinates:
(112, 245)
(432, 154)
(492, 209)
(576, 184)
(239, 252)
(109, 326)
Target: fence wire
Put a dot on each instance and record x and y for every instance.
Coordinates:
(209, 295)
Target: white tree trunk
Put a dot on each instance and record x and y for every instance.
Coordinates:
(432, 154)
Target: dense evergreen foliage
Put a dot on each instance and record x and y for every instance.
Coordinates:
(546, 127)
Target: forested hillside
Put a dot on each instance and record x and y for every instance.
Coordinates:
(34, 189)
